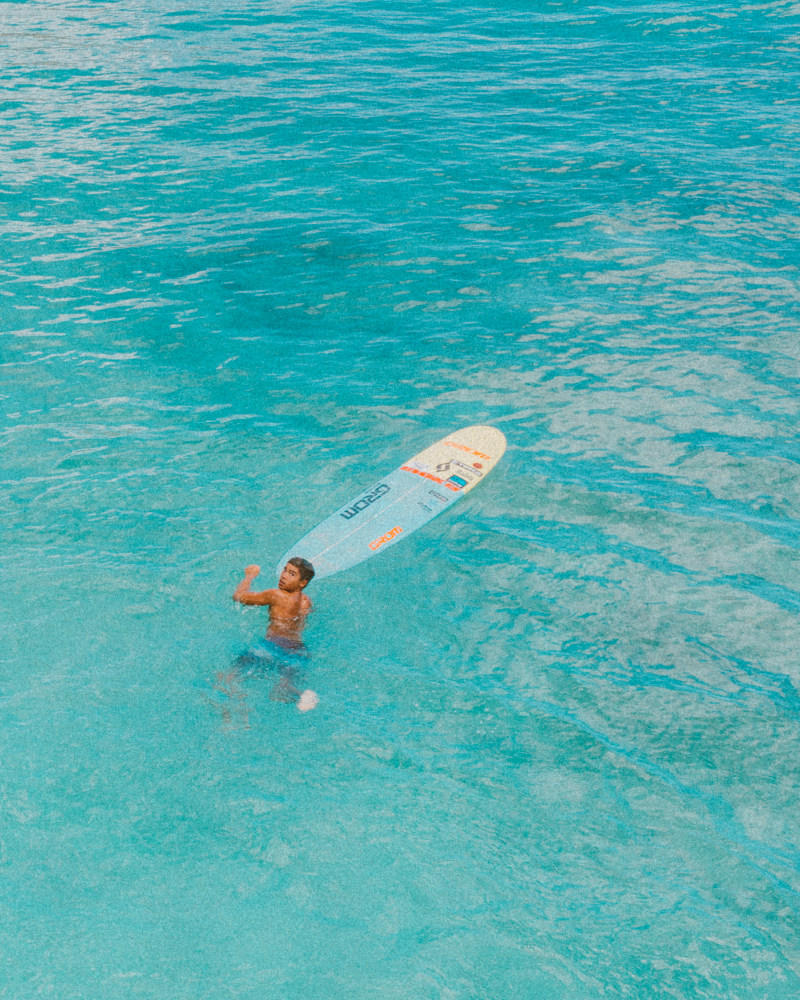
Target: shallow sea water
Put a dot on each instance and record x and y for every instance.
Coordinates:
(255, 255)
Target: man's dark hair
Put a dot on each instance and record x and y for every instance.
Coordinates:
(304, 567)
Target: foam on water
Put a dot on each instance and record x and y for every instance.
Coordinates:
(253, 257)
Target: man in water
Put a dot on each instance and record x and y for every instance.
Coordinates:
(288, 610)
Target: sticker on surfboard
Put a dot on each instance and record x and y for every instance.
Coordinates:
(402, 501)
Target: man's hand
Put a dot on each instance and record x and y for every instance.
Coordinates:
(244, 595)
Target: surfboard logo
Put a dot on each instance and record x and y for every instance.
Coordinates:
(420, 472)
(468, 472)
(363, 502)
(471, 451)
(390, 534)
(438, 496)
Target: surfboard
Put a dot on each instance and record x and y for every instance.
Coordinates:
(397, 505)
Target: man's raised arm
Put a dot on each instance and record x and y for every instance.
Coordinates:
(244, 595)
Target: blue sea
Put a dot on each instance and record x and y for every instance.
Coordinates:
(254, 256)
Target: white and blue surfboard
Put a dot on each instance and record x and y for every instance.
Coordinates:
(401, 502)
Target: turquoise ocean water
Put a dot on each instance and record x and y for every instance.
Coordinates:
(253, 256)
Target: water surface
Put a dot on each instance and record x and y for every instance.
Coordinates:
(256, 255)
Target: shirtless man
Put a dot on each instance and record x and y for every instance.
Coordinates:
(288, 610)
